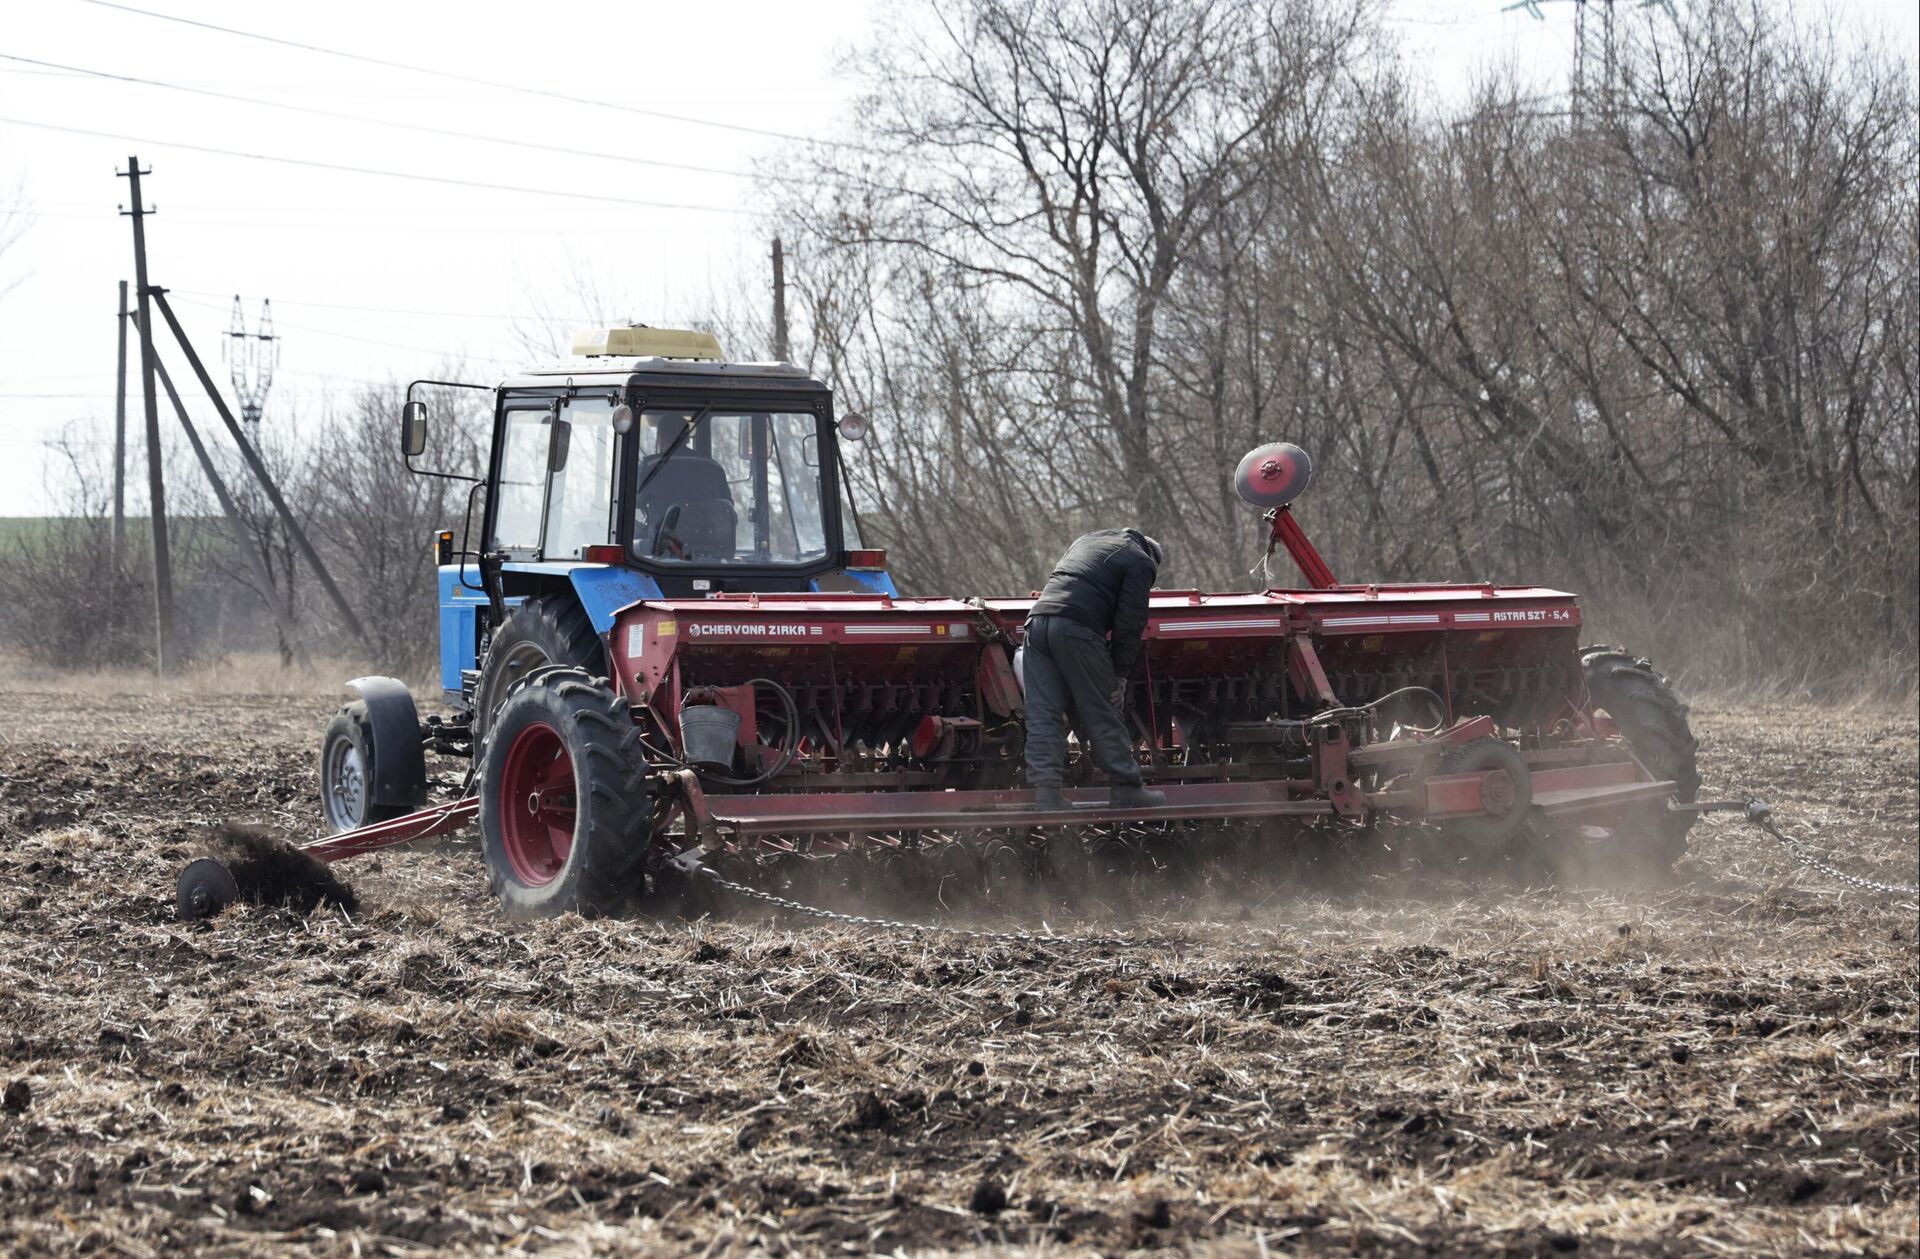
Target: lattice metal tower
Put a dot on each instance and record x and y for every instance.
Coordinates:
(1595, 87)
(251, 358)
(1587, 95)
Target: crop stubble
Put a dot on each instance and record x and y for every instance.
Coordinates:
(1407, 1064)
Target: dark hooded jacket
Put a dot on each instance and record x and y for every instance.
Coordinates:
(1103, 582)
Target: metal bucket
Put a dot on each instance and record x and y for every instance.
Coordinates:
(708, 733)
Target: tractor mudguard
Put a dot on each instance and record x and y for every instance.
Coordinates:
(604, 590)
(399, 756)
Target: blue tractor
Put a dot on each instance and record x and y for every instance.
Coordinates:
(644, 467)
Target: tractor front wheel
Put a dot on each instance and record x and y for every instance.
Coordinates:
(564, 800)
(347, 772)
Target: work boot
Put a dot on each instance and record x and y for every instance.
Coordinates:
(1050, 798)
(1134, 796)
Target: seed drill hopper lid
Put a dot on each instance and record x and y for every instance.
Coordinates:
(1273, 475)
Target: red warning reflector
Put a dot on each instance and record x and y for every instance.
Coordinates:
(866, 561)
(605, 553)
(1273, 475)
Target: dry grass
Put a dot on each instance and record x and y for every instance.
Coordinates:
(1407, 1066)
(235, 674)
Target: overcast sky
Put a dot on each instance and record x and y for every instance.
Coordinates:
(373, 277)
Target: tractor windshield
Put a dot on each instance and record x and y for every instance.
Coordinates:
(722, 487)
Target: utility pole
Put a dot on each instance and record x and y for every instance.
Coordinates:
(156, 477)
(120, 442)
(780, 350)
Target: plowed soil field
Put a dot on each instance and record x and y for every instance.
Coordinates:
(1401, 1063)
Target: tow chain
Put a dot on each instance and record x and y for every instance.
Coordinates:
(1759, 814)
(894, 924)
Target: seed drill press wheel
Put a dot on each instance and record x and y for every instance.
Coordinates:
(1506, 796)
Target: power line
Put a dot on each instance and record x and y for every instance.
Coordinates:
(521, 88)
(357, 92)
(378, 310)
(107, 395)
(382, 343)
(333, 209)
(386, 229)
(369, 170)
(392, 122)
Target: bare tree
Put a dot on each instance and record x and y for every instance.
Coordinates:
(63, 600)
(376, 520)
(1046, 171)
(1661, 348)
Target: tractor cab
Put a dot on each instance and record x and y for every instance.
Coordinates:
(645, 466)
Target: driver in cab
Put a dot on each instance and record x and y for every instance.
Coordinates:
(684, 507)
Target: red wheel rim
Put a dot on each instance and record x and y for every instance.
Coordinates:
(537, 805)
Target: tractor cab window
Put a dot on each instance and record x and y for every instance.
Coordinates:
(580, 490)
(729, 488)
(556, 479)
(525, 449)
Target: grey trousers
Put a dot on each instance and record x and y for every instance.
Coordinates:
(1067, 668)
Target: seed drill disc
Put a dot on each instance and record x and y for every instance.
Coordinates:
(1273, 475)
(206, 888)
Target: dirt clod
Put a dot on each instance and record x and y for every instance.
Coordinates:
(366, 1180)
(16, 1099)
(870, 1111)
(1157, 1214)
(989, 1198)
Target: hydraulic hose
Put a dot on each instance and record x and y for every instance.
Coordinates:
(1337, 714)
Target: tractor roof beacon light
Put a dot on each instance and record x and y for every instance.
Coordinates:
(1273, 475)
(640, 341)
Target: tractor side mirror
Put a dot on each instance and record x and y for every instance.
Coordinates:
(413, 428)
(562, 443)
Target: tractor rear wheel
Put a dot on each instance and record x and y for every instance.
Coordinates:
(544, 631)
(564, 800)
(1653, 720)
